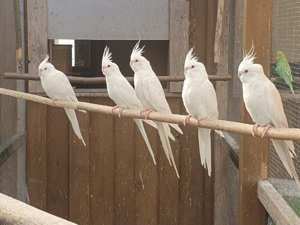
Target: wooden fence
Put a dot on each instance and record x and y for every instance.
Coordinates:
(113, 180)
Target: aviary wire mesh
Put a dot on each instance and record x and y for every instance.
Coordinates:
(12, 113)
(235, 55)
(286, 38)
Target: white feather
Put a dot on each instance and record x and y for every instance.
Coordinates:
(263, 102)
(57, 86)
(200, 100)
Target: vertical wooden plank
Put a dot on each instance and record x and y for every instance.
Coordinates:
(124, 171)
(221, 153)
(57, 168)
(179, 39)
(210, 67)
(37, 36)
(61, 57)
(36, 154)
(79, 209)
(253, 155)
(102, 165)
(146, 177)
(191, 178)
(168, 180)
(198, 23)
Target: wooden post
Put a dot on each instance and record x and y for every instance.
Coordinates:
(37, 36)
(179, 39)
(254, 151)
(221, 48)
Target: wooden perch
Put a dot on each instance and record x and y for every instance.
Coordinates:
(13, 211)
(228, 126)
(95, 80)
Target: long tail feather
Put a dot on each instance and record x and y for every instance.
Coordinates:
(176, 127)
(73, 119)
(139, 123)
(151, 123)
(220, 133)
(285, 157)
(162, 131)
(205, 148)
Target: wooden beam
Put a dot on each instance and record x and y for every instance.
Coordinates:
(276, 206)
(179, 39)
(254, 152)
(228, 126)
(95, 80)
(16, 212)
(37, 36)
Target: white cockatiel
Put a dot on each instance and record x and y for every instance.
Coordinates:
(200, 100)
(123, 94)
(263, 102)
(151, 94)
(57, 86)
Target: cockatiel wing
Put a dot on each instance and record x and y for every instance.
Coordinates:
(64, 90)
(155, 95)
(277, 116)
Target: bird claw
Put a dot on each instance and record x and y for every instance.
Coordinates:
(254, 130)
(142, 111)
(266, 130)
(186, 120)
(53, 103)
(120, 110)
(148, 112)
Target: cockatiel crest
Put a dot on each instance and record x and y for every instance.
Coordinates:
(190, 57)
(137, 51)
(45, 60)
(106, 56)
(249, 57)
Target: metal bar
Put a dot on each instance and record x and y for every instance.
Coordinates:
(11, 145)
(228, 126)
(95, 80)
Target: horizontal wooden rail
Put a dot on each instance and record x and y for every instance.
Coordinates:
(276, 206)
(14, 212)
(96, 80)
(228, 126)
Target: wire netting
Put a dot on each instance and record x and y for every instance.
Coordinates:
(234, 58)
(286, 38)
(12, 112)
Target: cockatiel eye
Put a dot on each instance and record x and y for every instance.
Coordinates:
(193, 66)
(246, 71)
(136, 60)
(46, 68)
(108, 65)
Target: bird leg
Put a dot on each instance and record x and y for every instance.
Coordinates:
(265, 130)
(187, 119)
(254, 129)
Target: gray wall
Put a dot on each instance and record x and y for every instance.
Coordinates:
(108, 20)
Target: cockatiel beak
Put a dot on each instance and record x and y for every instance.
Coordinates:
(239, 74)
(40, 72)
(131, 64)
(102, 69)
(185, 70)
